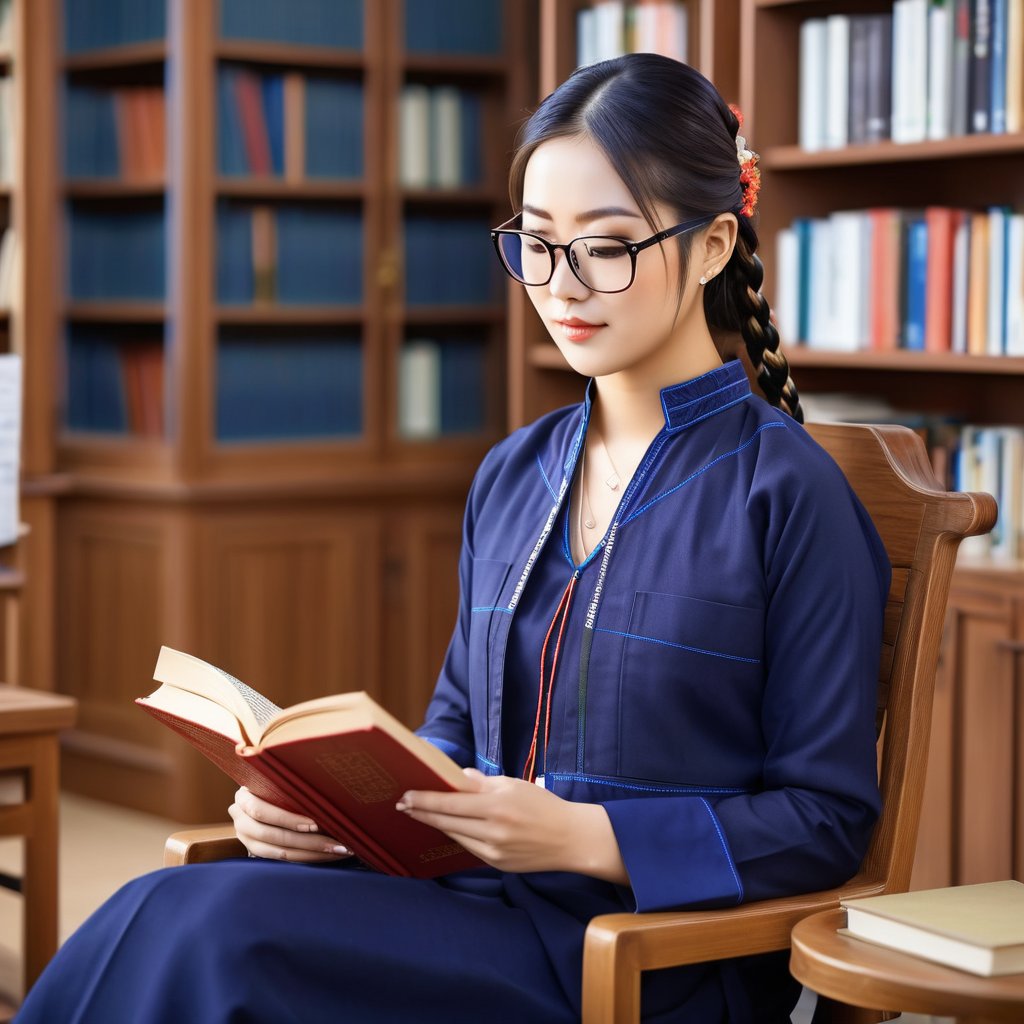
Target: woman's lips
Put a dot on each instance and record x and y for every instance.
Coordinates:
(578, 331)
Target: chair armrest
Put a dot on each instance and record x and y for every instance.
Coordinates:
(201, 845)
(617, 947)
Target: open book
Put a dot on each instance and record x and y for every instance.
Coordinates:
(341, 760)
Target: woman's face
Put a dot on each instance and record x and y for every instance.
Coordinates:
(570, 189)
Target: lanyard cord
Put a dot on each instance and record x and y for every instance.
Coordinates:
(547, 680)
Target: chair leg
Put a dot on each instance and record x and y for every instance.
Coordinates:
(611, 983)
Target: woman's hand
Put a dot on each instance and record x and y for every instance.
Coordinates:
(269, 831)
(514, 825)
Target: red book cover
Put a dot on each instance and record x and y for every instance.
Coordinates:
(885, 279)
(341, 760)
(249, 96)
(941, 224)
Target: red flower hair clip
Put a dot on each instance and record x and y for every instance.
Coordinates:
(750, 173)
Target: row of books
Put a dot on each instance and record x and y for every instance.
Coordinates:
(449, 261)
(937, 280)
(274, 388)
(115, 133)
(116, 254)
(441, 387)
(964, 457)
(8, 135)
(610, 28)
(97, 24)
(115, 383)
(440, 144)
(289, 253)
(929, 70)
(303, 22)
(288, 125)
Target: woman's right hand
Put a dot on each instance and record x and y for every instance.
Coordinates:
(268, 831)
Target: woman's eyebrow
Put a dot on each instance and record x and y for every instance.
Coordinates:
(587, 215)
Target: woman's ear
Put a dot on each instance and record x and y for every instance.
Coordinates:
(719, 242)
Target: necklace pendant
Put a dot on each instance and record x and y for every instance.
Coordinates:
(613, 482)
(589, 523)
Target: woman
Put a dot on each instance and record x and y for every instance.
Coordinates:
(661, 682)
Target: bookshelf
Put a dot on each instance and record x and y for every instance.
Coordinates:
(972, 825)
(227, 352)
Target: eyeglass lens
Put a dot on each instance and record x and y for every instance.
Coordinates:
(602, 264)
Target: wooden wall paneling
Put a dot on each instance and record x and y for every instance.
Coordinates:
(1016, 654)
(421, 600)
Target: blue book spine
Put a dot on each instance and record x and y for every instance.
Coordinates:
(463, 366)
(96, 399)
(916, 276)
(319, 256)
(802, 227)
(453, 26)
(232, 159)
(235, 283)
(472, 139)
(273, 112)
(336, 23)
(334, 128)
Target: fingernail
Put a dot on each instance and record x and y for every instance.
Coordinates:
(340, 850)
(401, 805)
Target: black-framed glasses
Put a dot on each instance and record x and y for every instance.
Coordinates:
(603, 263)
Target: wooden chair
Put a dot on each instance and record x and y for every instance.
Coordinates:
(922, 527)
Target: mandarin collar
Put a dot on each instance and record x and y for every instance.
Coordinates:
(684, 404)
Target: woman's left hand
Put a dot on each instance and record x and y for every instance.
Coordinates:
(514, 825)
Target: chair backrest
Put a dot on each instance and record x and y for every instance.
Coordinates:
(921, 526)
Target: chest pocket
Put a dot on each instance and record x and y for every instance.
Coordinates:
(489, 577)
(691, 688)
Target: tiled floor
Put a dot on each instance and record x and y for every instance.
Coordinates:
(102, 847)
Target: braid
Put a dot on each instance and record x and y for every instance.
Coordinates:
(735, 296)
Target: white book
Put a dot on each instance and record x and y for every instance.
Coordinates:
(1005, 546)
(419, 389)
(586, 37)
(910, 71)
(970, 477)
(1015, 286)
(848, 285)
(940, 69)
(813, 49)
(8, 267)
(1015, 66)
(10, 445)
(821, 280)
(611, 29)
(678, 42)
(787, 297)
(414, 137)
(837, 83)
(446, 128)
(645, 29)
(8, 130)
(961, 285)
(996, 303)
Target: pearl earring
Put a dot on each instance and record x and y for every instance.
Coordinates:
(703, 279)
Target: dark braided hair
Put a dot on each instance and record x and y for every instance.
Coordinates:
(672, 139)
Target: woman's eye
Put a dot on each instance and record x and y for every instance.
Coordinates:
(606, 252)
(534, 247)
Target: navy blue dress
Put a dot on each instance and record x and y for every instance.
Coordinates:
(715, 691)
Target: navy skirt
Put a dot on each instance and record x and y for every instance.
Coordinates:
(260, 941)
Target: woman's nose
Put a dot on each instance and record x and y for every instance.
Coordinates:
(564, 284)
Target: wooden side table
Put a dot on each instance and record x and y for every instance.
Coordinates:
(857, 973)
(29, 723)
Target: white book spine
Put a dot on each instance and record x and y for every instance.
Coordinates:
(813, 43)
(586, 21)
(414, 138)
(961, 283)
(837, 102)
(787, 303)
(996, 301)
(10, 445)
(910, 71)
(1015, 286)
(1011, 446)
(845, 284)
(419, 389)
(939, 70)
(611, 29)
(446, 107)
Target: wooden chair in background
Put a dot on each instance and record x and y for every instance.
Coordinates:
(921, 527)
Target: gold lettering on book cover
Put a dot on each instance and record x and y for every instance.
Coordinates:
(361, 774)
(439, 852)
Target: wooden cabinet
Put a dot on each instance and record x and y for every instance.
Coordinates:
(972, 821)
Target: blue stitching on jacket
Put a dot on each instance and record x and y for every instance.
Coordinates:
(547, 482)
(689, 790)
(714, 462)
(493, 608)
(682, 647)
(492, 768)
(699, 398)
(725, 847)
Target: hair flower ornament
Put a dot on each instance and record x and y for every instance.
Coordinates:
(750, 173)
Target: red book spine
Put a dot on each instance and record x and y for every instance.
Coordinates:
(941, 227)
(885, 279)
(254, 126)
